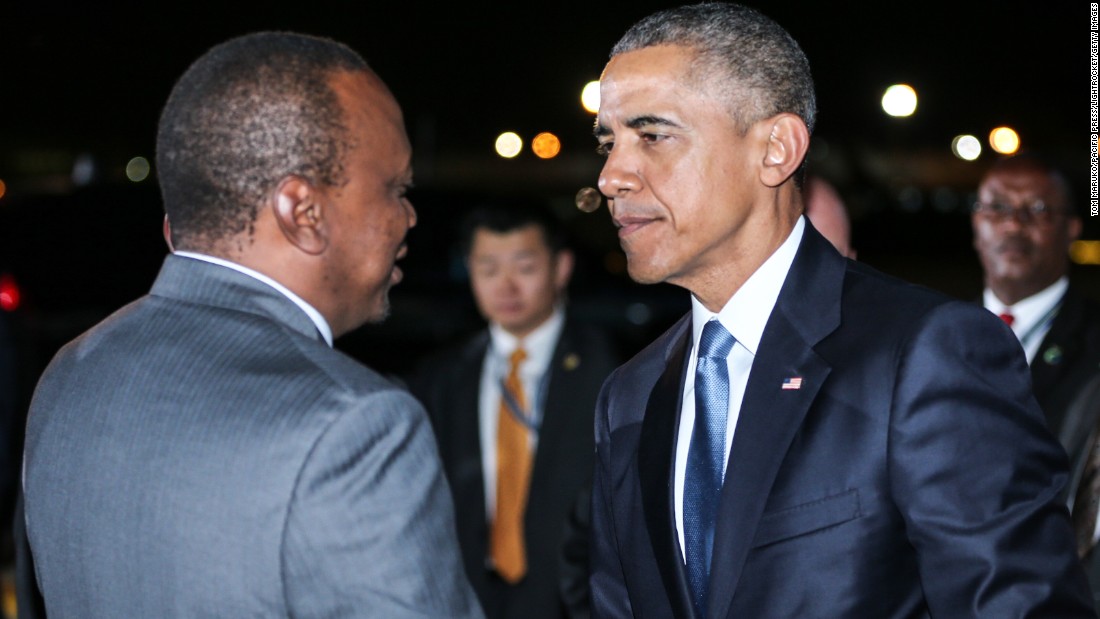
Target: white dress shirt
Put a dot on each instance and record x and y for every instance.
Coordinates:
(1032, 316)
(314, 315)
(745, 315)
(539, 346)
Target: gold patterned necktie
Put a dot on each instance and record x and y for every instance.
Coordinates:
(506, 545)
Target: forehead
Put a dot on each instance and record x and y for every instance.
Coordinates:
(489, 244)
(652, 80)
(372, 115)
(1026, 182)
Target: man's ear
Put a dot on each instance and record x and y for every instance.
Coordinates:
(563, 269)
(166, 230)
(298, 209)
(787, 143)
(1073, 228)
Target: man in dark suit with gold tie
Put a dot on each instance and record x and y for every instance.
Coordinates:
(512, 409)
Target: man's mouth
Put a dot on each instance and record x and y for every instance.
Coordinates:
(396, 275)
(629, 224)
(1014, 248)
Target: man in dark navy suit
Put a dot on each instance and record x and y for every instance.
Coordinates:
(814, 439)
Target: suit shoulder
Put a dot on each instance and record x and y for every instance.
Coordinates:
(431, 371)
(1083, 310)
(877, 298)
(651, 360)
(590, 342)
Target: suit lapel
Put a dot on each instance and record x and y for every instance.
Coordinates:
(656, 453)
(808, 309)
(557, 415)
(1057, 345)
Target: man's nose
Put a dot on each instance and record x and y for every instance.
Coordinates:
(619, 175)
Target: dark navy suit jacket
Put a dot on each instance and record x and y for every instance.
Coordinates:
(910, 475)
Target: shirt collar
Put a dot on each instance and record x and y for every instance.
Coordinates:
(314, 315)
(746, 313)
(1031, 310)
(538, 344)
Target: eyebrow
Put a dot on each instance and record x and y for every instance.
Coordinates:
(637, 122)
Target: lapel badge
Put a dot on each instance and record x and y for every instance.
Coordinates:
(793, 383)
(570, 362)
(1053, 355)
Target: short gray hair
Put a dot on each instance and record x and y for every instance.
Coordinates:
(746, 50)
(245, 115)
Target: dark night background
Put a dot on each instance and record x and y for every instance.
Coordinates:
(85, 82)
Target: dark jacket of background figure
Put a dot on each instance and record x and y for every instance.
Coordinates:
(1068, 357)
(911, 474)
(1086, 410)
(448, 384)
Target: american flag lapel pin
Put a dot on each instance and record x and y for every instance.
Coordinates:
(792, 383)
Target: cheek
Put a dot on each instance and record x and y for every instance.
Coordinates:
(528, 285)
(985, 235)
(481, 286)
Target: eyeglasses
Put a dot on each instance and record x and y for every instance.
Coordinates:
(1037, 212)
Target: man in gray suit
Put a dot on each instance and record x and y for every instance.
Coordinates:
(204, 452)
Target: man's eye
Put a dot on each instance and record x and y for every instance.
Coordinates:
(605, 148)
(652, 138)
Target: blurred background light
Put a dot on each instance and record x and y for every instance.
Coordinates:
(1085, 252)
(899, 100)
(509, 144)
(966, 147)
(3, 188)
(9, 293)
(1004, 140)
(590, 97)
(137, 169)
(546, 145)
(84, 169)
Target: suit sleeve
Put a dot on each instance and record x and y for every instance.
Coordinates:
(977, 475)
(370, 531)
(608, 584)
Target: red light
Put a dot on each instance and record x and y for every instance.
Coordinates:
(9, 293)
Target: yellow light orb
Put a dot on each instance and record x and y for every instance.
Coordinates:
(509, 144)
(899, 100)
(1004, 140)
(137, 169)
(966, 147)
(1085, 252)
(3, 189)
(590, 97)
(546, 145)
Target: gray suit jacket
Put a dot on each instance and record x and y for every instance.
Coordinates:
(203, 453)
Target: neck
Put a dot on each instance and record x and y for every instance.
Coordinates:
(752, 245)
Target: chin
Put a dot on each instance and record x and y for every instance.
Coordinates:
(380, 313)
(644, 274)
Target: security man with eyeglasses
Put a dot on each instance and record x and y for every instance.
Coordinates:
(1024, 222)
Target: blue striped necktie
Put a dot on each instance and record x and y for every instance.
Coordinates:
(706, 457)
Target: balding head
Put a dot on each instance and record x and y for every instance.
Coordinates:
(245, 115)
